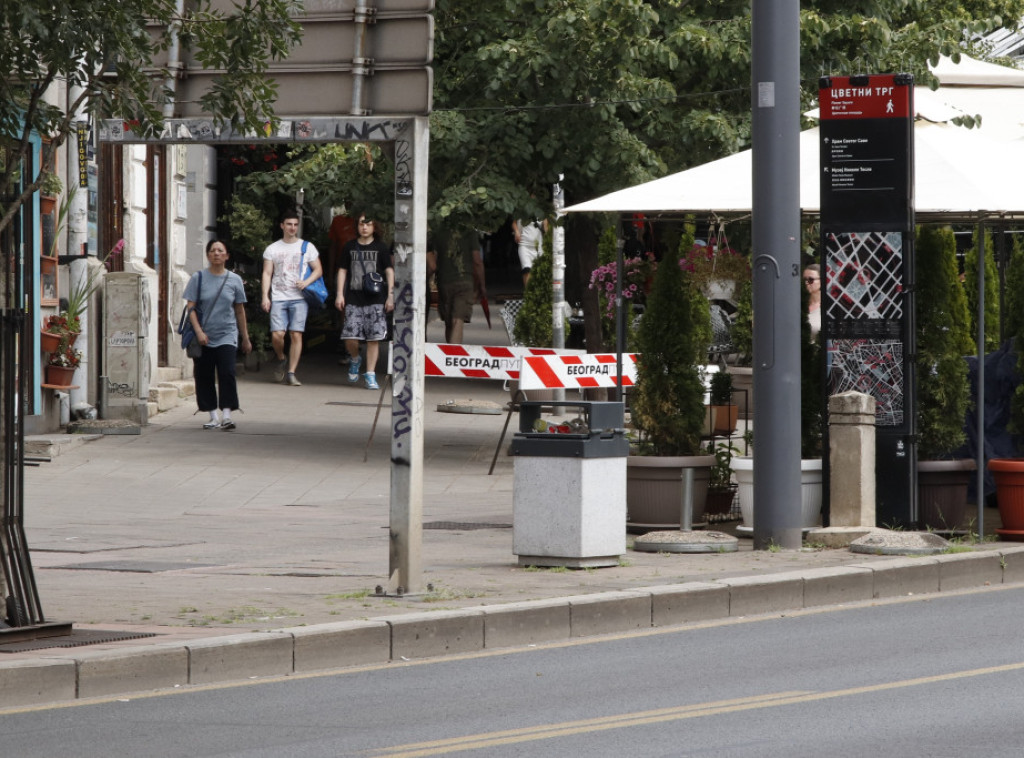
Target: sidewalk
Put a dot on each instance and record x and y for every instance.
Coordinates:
(282, 523)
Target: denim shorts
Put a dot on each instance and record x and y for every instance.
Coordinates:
(288, 315)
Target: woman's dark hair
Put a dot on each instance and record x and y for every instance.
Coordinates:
(213, 242)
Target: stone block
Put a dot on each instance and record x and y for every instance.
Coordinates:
(686, 603)
(422, 635)
(165, 397)
(34, 681)
(959, 571)
(900, 577)
(241, 656)
(347, 643)
(569, 511)
(752, 595)
(829, 586)
(526, 623)
(132, 669)
(610, 612)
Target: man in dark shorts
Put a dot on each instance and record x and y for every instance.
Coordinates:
(459, 265)
(365, 310)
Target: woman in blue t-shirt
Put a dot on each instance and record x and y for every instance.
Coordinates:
(220, 297)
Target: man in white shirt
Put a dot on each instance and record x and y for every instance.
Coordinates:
(282, 294)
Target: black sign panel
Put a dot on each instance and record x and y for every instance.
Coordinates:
(867, 236)
(867, 172)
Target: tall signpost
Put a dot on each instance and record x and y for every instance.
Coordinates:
(775, 72)
(867, 242)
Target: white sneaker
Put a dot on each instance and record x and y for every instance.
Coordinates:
(212, 425)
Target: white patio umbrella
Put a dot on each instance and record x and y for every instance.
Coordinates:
(960, 173)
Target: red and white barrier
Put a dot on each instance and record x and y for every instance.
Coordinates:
(479, 362)
(582, 370)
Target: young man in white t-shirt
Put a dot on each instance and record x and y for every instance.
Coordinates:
(282, 294)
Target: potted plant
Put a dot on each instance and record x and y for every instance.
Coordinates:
(717, 269)
(943, 391)
(726, 412)
(62, 364)
(1008, 473)
(721, 488)
(82, 291)
(667, 404)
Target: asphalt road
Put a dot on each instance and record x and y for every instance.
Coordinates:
(939, 676)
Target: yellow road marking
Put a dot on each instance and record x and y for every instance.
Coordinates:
(568, 728)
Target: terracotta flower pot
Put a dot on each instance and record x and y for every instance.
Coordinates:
(60, 376)
(49, 342)
(1009, 477)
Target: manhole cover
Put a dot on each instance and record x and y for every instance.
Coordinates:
(463, 526)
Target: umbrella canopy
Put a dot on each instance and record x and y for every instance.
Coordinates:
(959, 173)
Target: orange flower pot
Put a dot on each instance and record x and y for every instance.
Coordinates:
(59, 376)
(1009, 477)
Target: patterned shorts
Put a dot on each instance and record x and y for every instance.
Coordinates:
(364, 322)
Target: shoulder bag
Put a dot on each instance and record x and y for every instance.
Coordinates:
(315, 294)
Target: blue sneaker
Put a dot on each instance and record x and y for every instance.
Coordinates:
(371, 381)
(353, 370)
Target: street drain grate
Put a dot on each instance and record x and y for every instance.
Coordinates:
(77, 638)
(135, 567)
(463, 526)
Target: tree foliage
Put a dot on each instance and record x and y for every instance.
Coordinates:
(112, 57)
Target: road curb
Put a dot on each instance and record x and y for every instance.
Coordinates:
(59, 675)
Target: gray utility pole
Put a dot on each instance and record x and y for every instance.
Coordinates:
(558, 276)
(775, 75)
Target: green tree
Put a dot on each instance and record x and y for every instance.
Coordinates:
(943, 393)
(109, 55)
(667, 404)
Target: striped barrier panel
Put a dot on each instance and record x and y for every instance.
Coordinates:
(480, 362)
(576, 371)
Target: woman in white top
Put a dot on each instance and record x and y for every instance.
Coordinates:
(812, 281)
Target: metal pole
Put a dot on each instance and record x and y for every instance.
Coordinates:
(406, 565)
(775, 69)
(558, 277)
(980, 473)
(362, 15)
(620, 324)
(686, 509)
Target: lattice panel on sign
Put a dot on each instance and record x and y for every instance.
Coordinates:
(874, 367)
(864, 278)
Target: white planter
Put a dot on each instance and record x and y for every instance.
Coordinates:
(810, 490)
(721, 289)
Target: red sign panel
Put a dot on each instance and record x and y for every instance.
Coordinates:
(853, 97)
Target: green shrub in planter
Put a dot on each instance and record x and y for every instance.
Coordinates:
(667, 405)
(943, 332)
(1015, 331)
